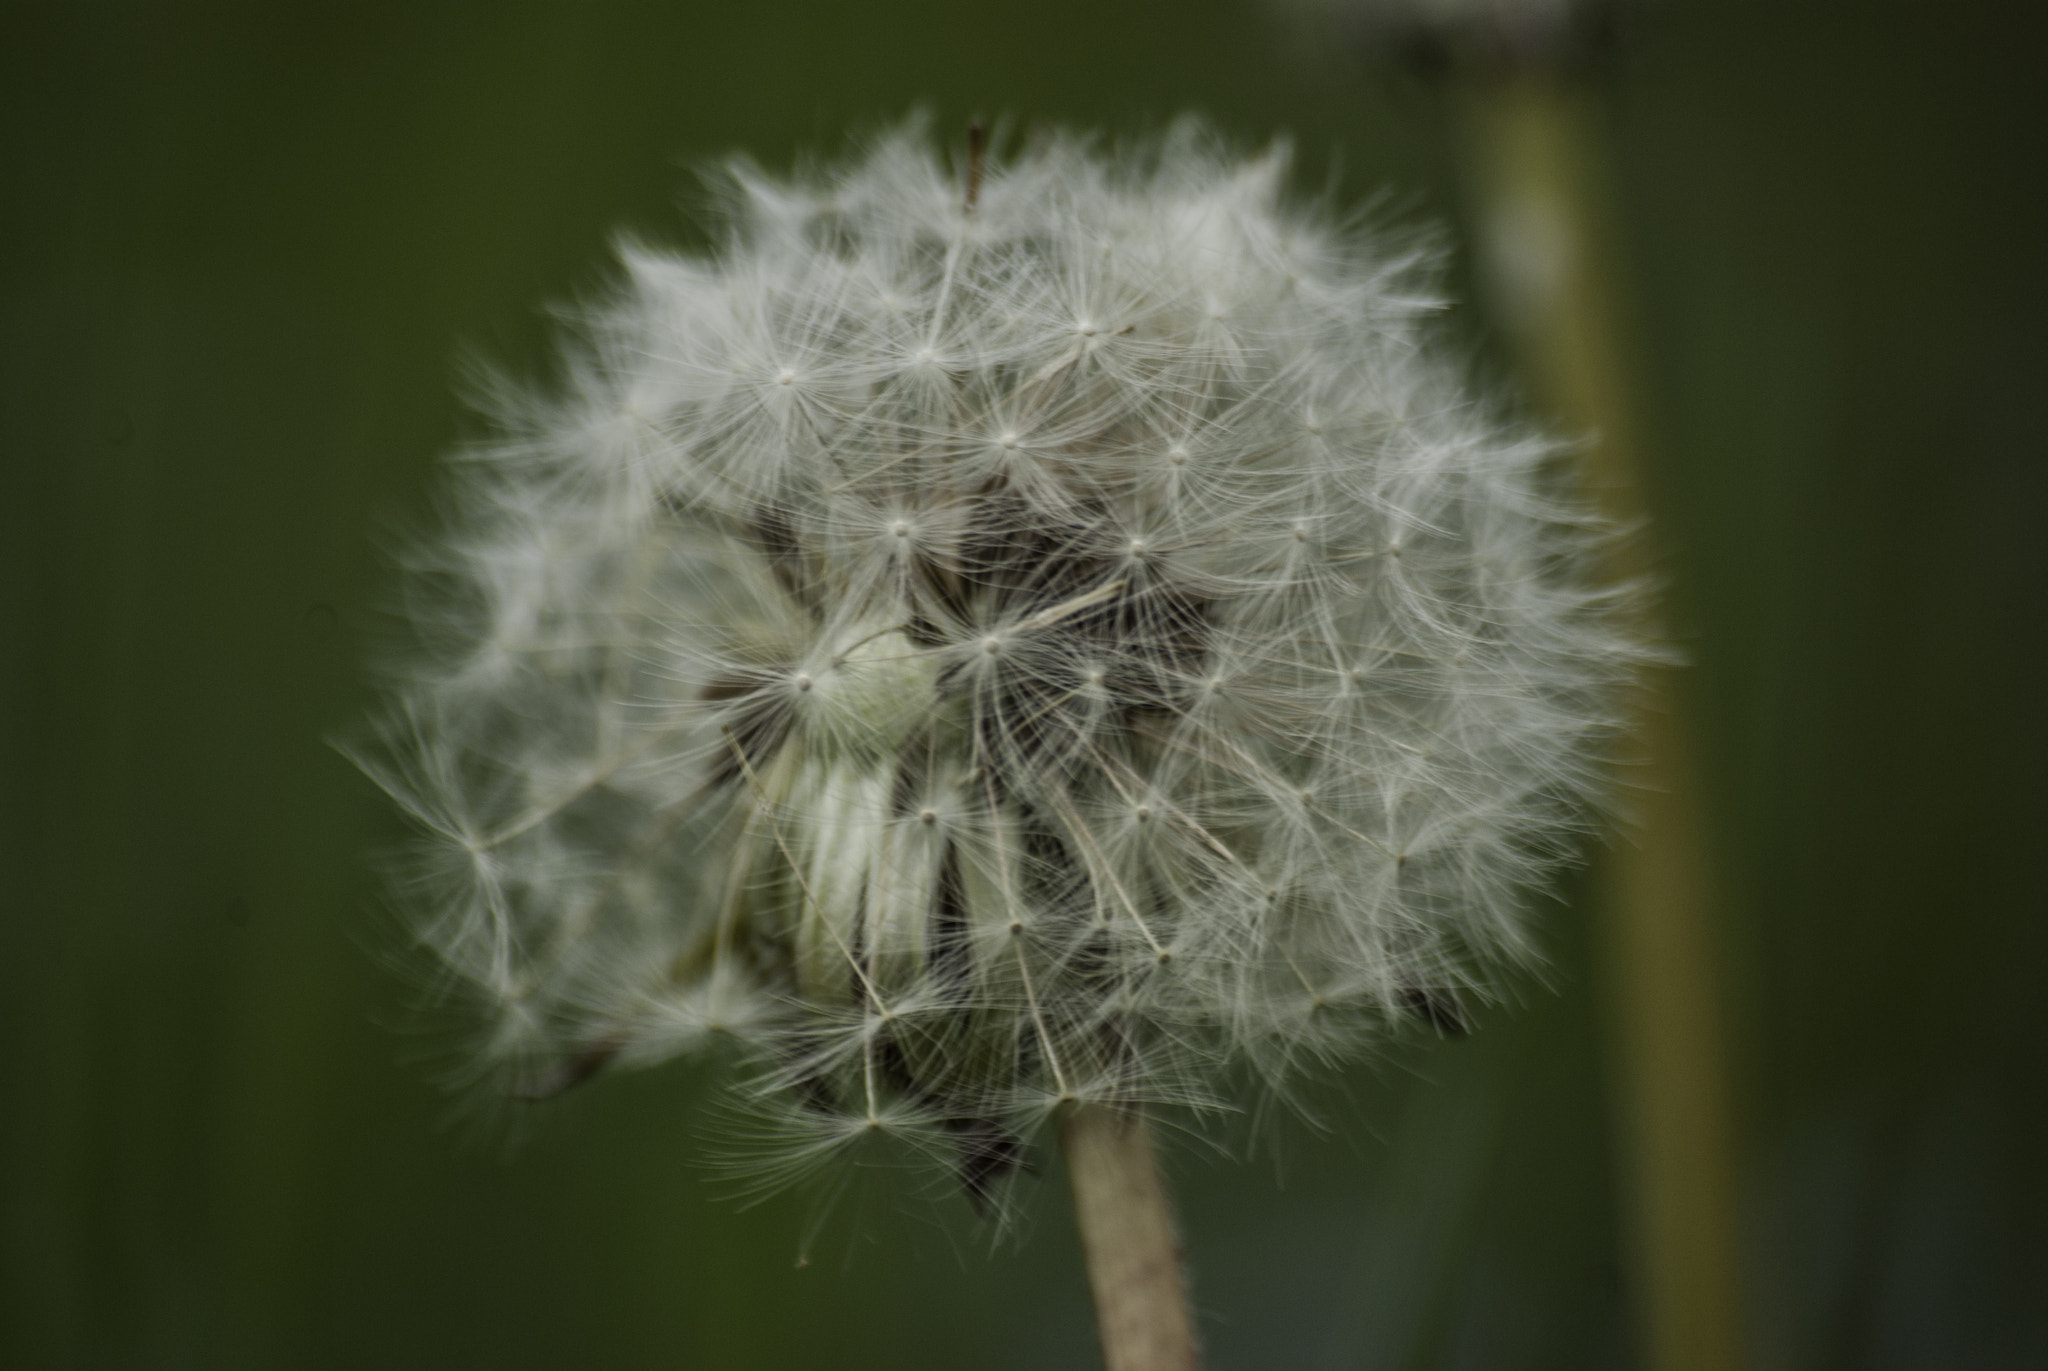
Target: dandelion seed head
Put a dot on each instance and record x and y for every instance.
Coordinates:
(959, 654)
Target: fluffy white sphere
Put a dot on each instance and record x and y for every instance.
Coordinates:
(988, 654)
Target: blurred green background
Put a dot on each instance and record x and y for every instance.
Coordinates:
(246, 247)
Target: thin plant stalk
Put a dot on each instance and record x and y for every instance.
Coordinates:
(1543, 211)
(1128, 1241)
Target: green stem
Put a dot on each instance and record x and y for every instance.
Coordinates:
(1544, 213)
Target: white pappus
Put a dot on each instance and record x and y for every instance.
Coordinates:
(1050, 632)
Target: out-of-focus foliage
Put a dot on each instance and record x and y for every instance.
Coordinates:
(244, 247)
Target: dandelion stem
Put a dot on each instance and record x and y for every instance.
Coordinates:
(1128, 1241)
(1545, 206)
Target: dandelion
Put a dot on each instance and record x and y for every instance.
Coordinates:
(1000, 647)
